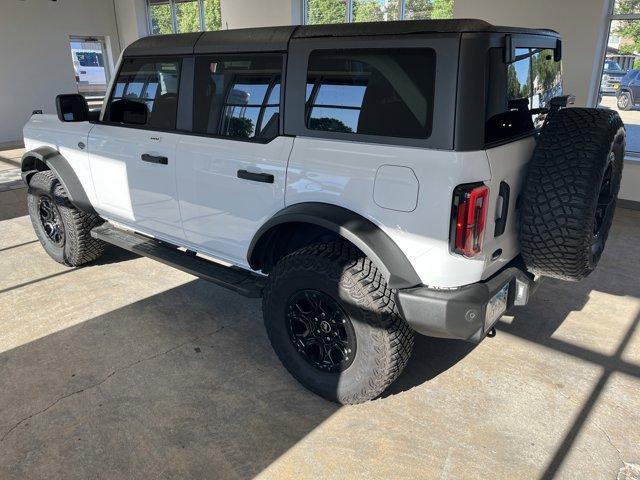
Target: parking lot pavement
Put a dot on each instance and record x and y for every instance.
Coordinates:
(130, 369)
(631, 119)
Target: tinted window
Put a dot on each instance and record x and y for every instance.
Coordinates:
(386, 92)
(238, 96)
(516, 89)
(150, 84)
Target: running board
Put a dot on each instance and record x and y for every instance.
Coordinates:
(241, 281)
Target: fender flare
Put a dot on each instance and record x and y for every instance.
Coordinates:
(59, 165)
(355, 228)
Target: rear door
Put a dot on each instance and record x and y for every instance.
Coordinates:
(634, 85)
(133, 158)
(232, 169)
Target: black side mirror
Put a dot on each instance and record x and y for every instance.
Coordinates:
(128, 111)
(72, 108)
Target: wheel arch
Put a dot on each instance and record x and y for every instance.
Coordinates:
(304, 223)
(47, 158)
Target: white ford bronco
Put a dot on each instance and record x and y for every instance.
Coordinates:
(368, 181)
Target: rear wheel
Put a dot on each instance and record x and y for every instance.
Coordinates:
(63, 230)
(333, 322)
(624, 101)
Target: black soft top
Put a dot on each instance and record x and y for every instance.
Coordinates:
(276, 39)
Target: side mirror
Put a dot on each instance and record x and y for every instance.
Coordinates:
(128, 111)
(72, 108)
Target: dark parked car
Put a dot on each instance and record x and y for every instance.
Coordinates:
(629, 91)
(612, 73)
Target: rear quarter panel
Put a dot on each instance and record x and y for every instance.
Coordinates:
(344, 173)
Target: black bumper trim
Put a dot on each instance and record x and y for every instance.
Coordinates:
(459, 313)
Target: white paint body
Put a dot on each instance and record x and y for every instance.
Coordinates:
(197, 201)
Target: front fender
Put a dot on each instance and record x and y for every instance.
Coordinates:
(47, 158)
(355, 228)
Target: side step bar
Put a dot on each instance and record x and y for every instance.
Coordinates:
(241, 281)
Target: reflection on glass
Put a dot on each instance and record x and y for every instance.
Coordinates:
(518, 75)
(334, 119)
(341, 95)
(240, 121)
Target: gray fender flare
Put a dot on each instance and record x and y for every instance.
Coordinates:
(35, 161)
(355, 228)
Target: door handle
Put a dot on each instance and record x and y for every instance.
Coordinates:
(255, 177)
(154, 159)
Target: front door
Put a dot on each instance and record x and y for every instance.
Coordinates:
(232, 170)
(133, 150)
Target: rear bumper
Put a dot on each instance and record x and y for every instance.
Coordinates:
(461, 313)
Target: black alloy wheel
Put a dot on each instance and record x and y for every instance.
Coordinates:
(606, 201)
(321, 331)
(51, 220)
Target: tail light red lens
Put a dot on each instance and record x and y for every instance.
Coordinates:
(469, 217)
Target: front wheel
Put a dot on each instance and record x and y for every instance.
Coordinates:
(63, 230)
(333, 322)
(624, 101)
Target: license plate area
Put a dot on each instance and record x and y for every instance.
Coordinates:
(496, 307)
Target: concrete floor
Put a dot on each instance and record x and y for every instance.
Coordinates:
(130, 369)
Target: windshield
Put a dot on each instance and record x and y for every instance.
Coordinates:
(611, 65)
(518, 90)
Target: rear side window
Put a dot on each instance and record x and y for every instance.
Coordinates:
(518, 90)
(384, 92)
(146, 85)
(238, 96)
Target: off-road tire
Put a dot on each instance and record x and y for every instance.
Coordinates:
(384, 339)
(562, 191)
(78, 246)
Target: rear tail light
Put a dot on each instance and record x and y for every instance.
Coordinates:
(469, 217)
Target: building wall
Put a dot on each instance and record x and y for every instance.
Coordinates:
(35, 59)
(582, 24)
(630, 186)
(131, 16)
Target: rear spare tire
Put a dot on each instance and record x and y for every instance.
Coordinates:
(570, 192)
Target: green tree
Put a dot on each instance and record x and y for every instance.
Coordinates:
(442, 9)
(187, 17)
(628, 29)
(326, 11)
(335, 11)
(513, 85)
(161, 23)
(368, 11)
(212, 15)
(428, 9)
